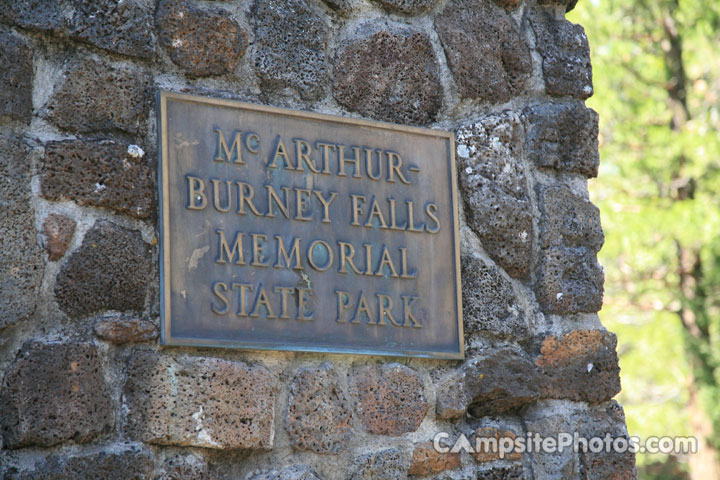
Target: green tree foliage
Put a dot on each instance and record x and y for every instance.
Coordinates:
(657, 82)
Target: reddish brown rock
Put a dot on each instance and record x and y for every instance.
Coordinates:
(199, 402)
(390, 399)
(16, 77)
(121, 27)
(563, 137)
(98, 98)
(127, 464)
(408, 7)
(59, 231)
(565, 54)
(580, 366)
(318, 416)
(21, 259)
(569, 280)
(104, 174)
(428, 461)
(53, 393)
(495, 383)
(488, 439)
(291, 39)
(391, 76)
(201, 42)
(125, 330)
(110, 271)
(494, 186)
(486, 52)
(568, 220)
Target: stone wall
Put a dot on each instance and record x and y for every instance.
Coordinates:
(88, 393)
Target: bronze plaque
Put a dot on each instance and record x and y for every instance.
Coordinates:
(289, 230)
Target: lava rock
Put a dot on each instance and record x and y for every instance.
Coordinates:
(580, 366)
(201, 42)
(121, 27)
(569, 280)
(16, 77)
(98, 174)
(21, 262)
(489, 301)
(565, 54)
(53, 393)
(486, 52)
(199, 402)
(501, 381)
(111, 270)
(318, 416)
(390, 399)
(391, 76)
(563, 137)
(95, 97)
(290, 47)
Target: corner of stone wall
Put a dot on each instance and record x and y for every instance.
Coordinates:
(88, 393)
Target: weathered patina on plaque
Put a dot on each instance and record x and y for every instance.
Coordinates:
(291, 230)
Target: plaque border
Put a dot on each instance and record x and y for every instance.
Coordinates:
(167, 340)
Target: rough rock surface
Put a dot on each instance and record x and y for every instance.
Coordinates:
(390, 399)
(494, 185)
(110, 271)
(569, 281)
(200, 42)
(341, 6)
(485, 50)
(293, 472)
(563, 137)
(129, 464)
(498, 382)
(121, 27)
(565, 54)
(200, 402)
(99, 98)
(16, 77)
(53, 393)
(408, 7)
(581, 366)
(290, 47)
(568, 4)
(555, 465)
(508, 4)
(605, 419)
(59, 231)
(428, 461)
(386, 464)
(125, 329)
(318, 417)
(21, 263)
(182, 467)
(100, 174)
(487, 438)
(502, 473)
(568, 220)
(489, 301)
(391, 75)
